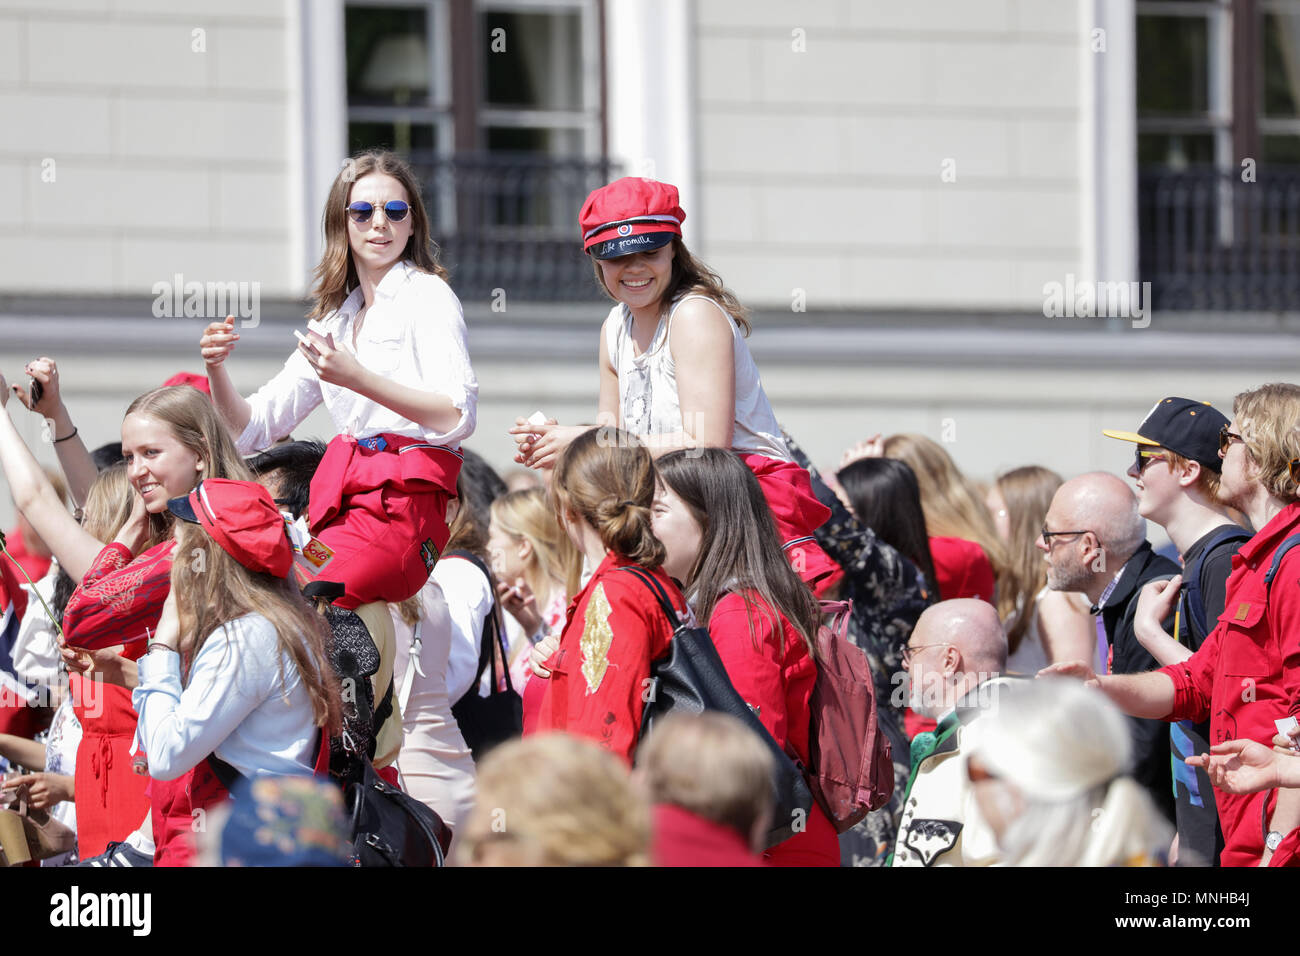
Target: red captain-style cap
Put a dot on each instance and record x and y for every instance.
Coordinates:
(243, 519)
(189, 378)
(630, 215)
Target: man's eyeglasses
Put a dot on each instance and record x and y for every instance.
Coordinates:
(395, 210)
(1049, 535)
(909, 652)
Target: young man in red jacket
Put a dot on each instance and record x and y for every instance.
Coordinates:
(1246, 674)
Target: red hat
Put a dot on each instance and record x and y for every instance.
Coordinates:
(189, 378)
(630, 215)
(242, 519)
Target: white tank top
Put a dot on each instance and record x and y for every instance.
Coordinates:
(647, 386)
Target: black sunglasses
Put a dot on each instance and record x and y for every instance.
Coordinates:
(395, 210)
(1226, 438)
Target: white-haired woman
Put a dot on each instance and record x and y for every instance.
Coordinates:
(1050, 774)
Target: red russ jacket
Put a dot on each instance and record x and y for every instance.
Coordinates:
(776, 682)
(1247, 673)
(615, 628)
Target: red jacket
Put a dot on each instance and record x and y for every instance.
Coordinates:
(35, 565)
(961, 569)
(683, 839)
(1247, 673)
(615, 628)
(777, 683)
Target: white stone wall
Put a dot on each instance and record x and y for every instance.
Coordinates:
(820, 168)
(135, 149)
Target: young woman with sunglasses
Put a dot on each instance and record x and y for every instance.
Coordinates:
(674, 367)
(385, 352)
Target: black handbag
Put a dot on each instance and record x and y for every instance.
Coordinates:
(387, 826)
(487, 721)
(392, 828)
(691, 679)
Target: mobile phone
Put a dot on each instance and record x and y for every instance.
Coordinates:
(35, 390)
(1285, 726)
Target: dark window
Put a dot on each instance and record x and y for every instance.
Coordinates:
(1218, 113)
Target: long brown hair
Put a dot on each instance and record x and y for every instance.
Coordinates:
(607, 478)
(691, 276)
(1027, 493)
(212, 589)
(336, 275)
(189, 414)
(740, 551)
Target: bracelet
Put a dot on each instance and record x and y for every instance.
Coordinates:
(67, 437)
(152, 644)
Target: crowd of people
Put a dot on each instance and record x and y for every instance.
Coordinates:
(212, 625)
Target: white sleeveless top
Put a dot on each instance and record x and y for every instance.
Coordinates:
(1031, 656)
(647, 386)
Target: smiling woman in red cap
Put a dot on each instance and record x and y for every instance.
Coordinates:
(674, 367)
(385, 353)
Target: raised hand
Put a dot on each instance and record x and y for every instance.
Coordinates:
(873, 447)
(540, 445)
(44, 371)
(104, 663)
(519, 600)
(218, 341)
(331, 363)
(1155, 603)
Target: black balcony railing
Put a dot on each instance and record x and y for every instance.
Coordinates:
(1211, 241)
(507, 223)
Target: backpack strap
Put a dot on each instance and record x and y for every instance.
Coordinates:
(1193, 602)
(1278, 555)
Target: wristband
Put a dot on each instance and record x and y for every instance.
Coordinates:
(67, 437)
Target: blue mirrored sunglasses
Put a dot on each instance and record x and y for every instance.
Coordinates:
(394, 210)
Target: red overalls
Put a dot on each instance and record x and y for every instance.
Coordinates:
(380, 505)
(797, 512)
(116, 601)
(181, 808)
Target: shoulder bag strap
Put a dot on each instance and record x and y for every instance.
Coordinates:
(660, 594)
(488, 645)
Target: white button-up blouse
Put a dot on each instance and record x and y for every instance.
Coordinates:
(413, 334)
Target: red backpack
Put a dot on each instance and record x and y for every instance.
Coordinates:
(851, 769)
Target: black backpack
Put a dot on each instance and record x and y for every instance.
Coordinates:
(1193, 601)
